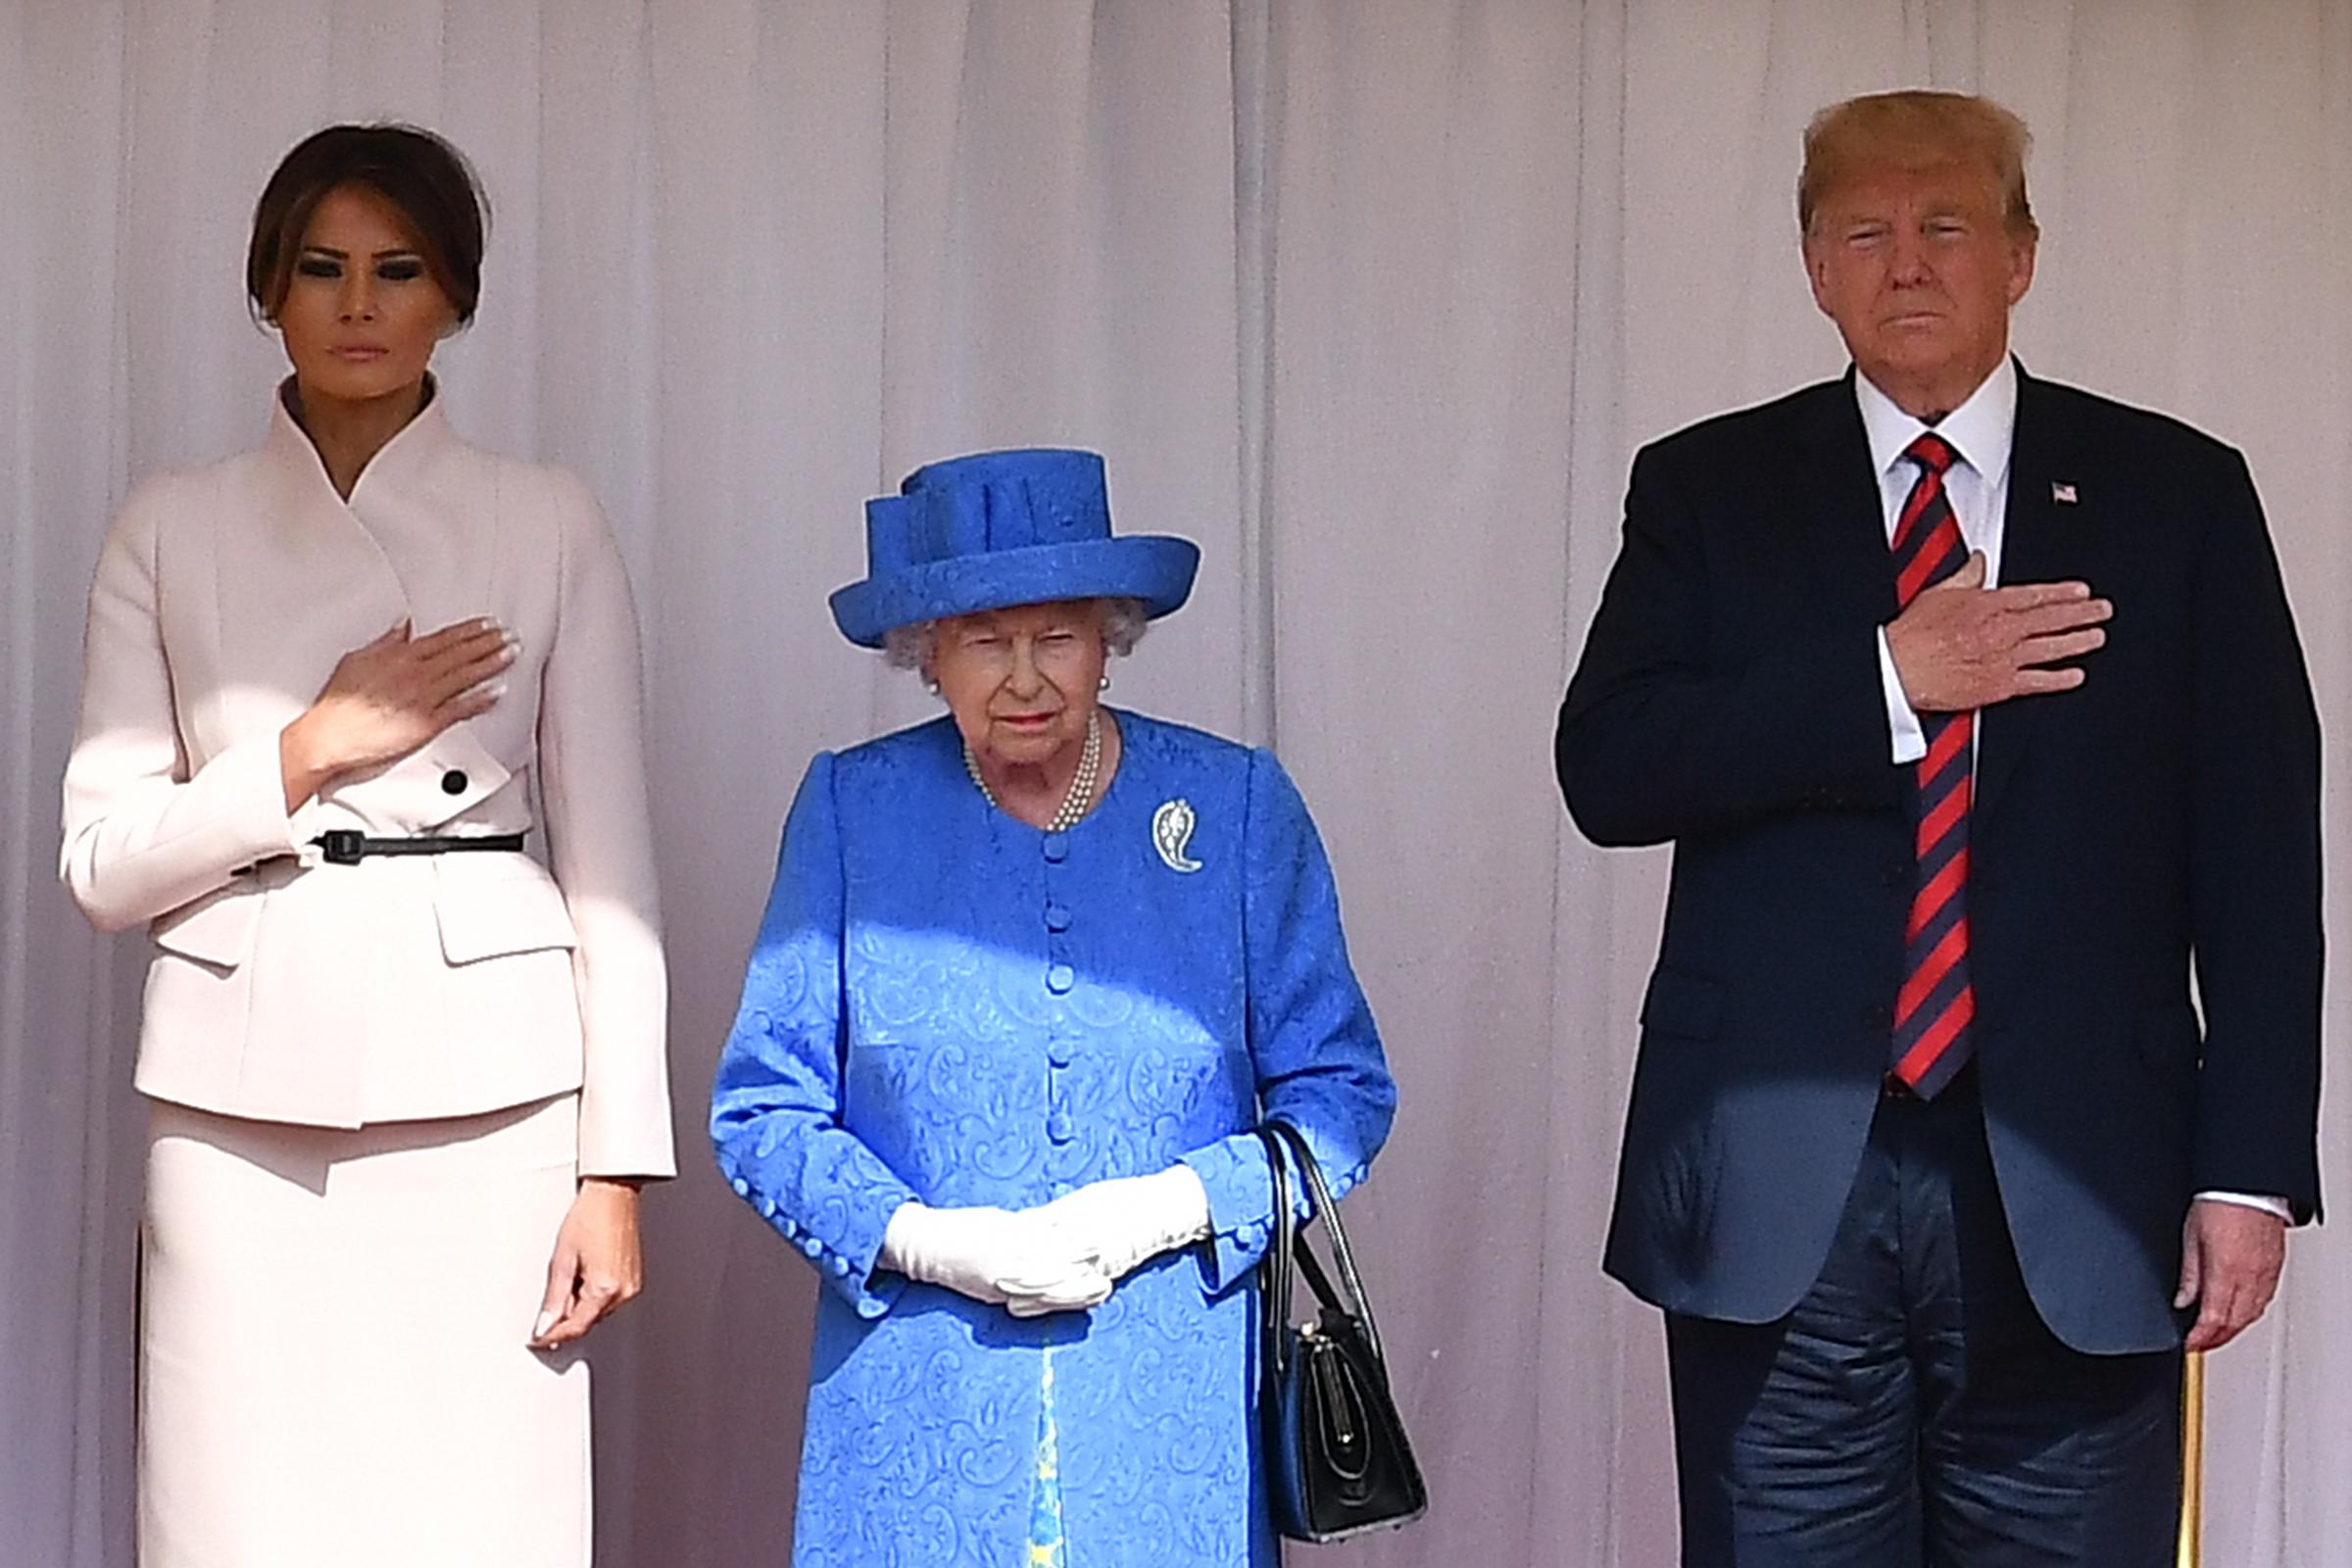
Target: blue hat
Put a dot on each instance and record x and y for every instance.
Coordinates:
(1002, 528)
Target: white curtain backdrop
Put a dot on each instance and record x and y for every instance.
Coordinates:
(1374, 298)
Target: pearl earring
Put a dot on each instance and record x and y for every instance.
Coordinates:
(931, 685)
(1103, 684)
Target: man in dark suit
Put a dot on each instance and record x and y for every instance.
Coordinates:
(1932, 1159)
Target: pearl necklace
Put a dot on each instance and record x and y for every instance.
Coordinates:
(1081, 797)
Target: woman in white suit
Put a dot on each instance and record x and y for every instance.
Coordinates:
(403, 1081)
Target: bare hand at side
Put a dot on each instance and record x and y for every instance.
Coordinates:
(2230, 1258)
(1960, 646)
(388, 697)
(597, 1265)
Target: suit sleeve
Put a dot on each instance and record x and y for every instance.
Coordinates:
(1316, 1054)
(2254, 865)
(775, 1106)
(1665, 734)
(600, 846)
(143, 833)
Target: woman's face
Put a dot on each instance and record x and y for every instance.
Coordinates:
(361, 313)
(1021, 682)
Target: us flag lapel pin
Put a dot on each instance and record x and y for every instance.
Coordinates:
(2064, 494)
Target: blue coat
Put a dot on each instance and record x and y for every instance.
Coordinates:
(949, 1005)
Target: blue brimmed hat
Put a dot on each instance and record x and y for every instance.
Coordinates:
(1003, 528)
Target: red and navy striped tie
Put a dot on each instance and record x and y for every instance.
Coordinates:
(1936, 1004)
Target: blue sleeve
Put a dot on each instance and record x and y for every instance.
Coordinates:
(1317, 1055)
(776, 1103)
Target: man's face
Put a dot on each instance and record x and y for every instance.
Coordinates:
(1919, 270)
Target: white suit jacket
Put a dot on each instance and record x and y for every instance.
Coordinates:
(287, 990)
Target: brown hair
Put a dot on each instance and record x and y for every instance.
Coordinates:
(1916, 130)
(419, 173)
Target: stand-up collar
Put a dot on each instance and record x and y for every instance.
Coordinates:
(411, 447)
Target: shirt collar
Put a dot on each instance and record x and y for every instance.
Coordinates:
(1981, 429)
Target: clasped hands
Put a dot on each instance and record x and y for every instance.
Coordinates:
(1961, 645)
(1061, 1257)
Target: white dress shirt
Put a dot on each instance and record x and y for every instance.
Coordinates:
(1980, 433)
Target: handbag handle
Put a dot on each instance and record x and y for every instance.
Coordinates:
(1287, 1244)
(1274, 1299)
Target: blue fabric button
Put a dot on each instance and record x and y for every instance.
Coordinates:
(1062, 1053)
(743, 1189)
(811, 1246)
(1060, 1128)
(871, 1306)
(1059, 978)
(841, 1264)
(1057, 917)
(1058, 847)
(767, 1206)
(789, 1227)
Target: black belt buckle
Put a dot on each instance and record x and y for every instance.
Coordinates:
(341, 845)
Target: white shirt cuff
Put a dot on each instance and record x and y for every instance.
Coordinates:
(1910, 740)
(2275, 1207)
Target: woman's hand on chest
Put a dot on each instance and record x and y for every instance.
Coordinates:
(388, 697)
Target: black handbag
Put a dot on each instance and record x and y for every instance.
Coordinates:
(1337, 1460)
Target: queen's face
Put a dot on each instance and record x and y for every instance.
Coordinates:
(362, 314)
(1021, 682)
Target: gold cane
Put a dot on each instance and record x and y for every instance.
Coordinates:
(2192, 1460)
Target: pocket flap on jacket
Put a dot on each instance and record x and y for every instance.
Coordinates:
(1682, 1003)
(492, 904)
(215, 929)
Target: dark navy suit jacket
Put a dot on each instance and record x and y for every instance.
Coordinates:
(2161, 818)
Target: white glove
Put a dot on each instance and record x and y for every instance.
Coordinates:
(1122, 1222)
(980, 1253)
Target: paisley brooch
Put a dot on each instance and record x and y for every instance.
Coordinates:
(1172, 834)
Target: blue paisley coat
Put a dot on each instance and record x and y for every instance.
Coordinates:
(949, 1005)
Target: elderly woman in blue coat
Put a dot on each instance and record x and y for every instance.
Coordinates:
(1029, 976)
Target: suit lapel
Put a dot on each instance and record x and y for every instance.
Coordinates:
(2043, 539)
(1849, 519)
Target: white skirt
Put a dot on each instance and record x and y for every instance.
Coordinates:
(332, 1357)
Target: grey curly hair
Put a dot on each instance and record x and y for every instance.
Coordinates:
(909, 647)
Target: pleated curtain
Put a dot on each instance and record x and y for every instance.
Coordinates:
(1373, 298)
